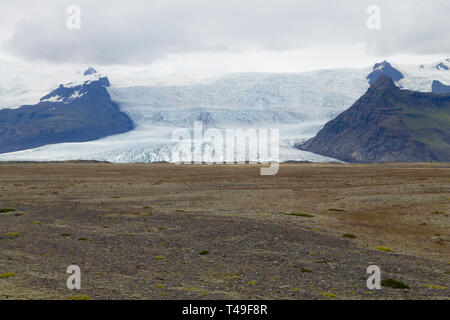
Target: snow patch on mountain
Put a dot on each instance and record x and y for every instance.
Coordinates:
(54, 98)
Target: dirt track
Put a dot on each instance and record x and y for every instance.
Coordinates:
(161, 231)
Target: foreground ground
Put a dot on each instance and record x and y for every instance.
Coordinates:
(223, 232)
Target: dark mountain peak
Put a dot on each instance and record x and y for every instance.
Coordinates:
(78, 111)
(442, 66)
(104, 81)
(439, 88)
(383, 64)
(381, 91)
(89, 71)
(384, 68)
(384, 82)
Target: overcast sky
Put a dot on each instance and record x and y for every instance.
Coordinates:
(231, 35)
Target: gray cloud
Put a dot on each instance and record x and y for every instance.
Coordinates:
(141, 31)
(417, 27)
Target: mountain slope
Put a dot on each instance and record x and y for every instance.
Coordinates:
(388, 124)
(439, 88)
(78, 111)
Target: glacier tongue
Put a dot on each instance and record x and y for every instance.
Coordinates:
(146, 144)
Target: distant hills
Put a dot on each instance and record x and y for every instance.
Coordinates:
(75, 112)
(388, 124)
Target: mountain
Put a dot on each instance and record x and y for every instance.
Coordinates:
(388, 124)
(74, 112)
(443, 65)
(384, 68)
(439, 88)
(298, 104)
(89, 71)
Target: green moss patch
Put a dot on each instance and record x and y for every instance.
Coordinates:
(7, 275)
(336, 210)
(80, 297)
(192, 289)
(13, 234)
(384, 249)
(434, 286)
(322, 261)
(329, 295)
(6, 210)
(392, 283)
(304, 215)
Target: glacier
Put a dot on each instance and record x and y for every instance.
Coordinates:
(297, 104)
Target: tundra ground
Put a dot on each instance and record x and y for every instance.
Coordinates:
(141, 231)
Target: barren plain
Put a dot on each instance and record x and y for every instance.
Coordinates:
(160, 231)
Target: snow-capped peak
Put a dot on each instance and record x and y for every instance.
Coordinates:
(76, 89)
(384, 68)
(381, 65)
(89, 71)
(88, 76)
(442, 66)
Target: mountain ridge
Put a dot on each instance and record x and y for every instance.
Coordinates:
(388, 124)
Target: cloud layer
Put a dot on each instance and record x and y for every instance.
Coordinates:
(119, 32)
